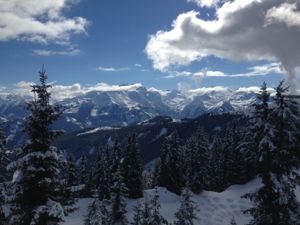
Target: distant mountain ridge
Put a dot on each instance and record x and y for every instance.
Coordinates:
(128, 106)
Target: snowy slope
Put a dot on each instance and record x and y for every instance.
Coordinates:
(215, 208)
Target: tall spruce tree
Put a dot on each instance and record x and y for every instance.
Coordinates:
(186, 214)
(98, 214)
(197, 158)
(147, 212)
(118, 202)
(171, 165)
(72, 176)
(156, 217)
(137, 214)
(38, 195)
(235, 169)
(3, 157)
(116, 156)
(132, 169)
(3, 219)
(276, 134)
(82, 169)
(217, 176)
(3, 176)
(102, 175)
(250, 154)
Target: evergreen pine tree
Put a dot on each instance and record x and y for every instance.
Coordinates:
(102, 175)
(250, 154)
(38, 195)
(98, 214)
(147, 212)
(285, 117)
(137, 216)
(156, 174)
(171, 165)
(275, 202)
(132, 169)
(235, 170)
(217, 176)
(3, 157)
(186, 215)
(197, 161)
(116, 157)
(118, 202)
(72, 171)
(156, 217)
(3, 176)
(3, 220)
(162, 169)
(82, 169)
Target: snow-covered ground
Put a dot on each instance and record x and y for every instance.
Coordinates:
(214, 208)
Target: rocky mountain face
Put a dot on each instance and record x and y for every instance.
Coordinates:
(123, 108)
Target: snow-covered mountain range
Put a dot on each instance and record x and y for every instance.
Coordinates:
(127, 105)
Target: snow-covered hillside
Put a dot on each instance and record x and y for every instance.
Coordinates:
(214, 208)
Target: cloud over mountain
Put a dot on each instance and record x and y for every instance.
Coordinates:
(249, 30)
(60, 92)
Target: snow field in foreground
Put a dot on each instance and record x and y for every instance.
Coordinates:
(215, 208)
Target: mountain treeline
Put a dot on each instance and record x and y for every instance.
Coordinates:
(40, 183)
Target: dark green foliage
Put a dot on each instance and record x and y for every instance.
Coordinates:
(276, 133)
(3, 157)
(146, 213)
(156, 217)
(118, 202)
(235, 170)
(149, 212)
(137, 216)
(98, 214)
(82, 169)
(217, 175)
(132, 169)
(37, 188)
(116, 157)
(72, 176)
(197, 161)
(102, 175)
(3, 219)
(3, 176)
(171, 165)
(186, 214)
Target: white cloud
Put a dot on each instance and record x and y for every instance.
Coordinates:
(112, 69)
(67, 52)
(243, 30)
(107, 87)
(138, 65)
(286, 13)
(205, 90)
(60, 92)
(259, 70)
(205, 3)
(210, 73)
(161, 92)
(39, 21)
(173, 74)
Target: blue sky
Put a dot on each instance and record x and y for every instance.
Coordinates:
(110, 45)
